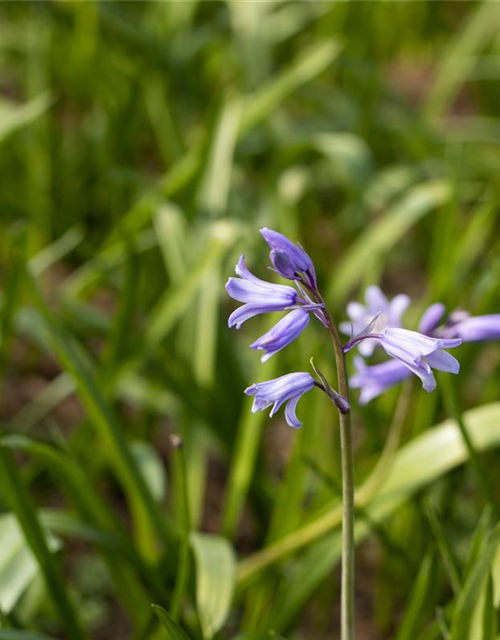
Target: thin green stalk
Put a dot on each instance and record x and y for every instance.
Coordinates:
(347, 460)
(184, 518)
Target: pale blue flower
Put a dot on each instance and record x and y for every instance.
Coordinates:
(390, 315)
(282, 334)
(288, 388)
(258, 295)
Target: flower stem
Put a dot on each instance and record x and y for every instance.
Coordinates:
(347, 459)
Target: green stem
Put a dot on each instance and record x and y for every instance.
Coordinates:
(347, 459)
(184, 518)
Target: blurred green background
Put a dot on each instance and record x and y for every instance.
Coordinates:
(143, 144)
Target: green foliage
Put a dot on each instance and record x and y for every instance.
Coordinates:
(142, 146)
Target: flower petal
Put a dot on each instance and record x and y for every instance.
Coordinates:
(431, 318)
(443, 361)
(290, 415)
(375, 300)
(247, 311)
(282, 334)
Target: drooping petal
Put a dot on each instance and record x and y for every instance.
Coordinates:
(259, 296)
(443, 361)
(290, 412)
(282, 334)
(246, 291)
(247, 311)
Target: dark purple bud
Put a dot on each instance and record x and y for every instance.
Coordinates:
(341, 403)
(283, 265)
(292, 260)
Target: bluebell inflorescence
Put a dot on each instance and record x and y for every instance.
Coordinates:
(376, 325)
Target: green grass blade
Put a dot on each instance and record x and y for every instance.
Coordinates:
(76, 363)
(174, 631)
(470, 596)
(417, 606)
(20, 502)
(383, 234)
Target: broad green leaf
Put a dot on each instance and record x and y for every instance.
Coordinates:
(173, 629)
(18, 566)
(215, 578)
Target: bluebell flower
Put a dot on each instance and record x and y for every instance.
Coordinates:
(376, 379)
(282, 334)
(289, 259)
(420, 354)
(288, 388)
(473, 328)
(258, 295)
(390, 314)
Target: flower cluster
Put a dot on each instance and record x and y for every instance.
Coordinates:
(291, 262)
(376, 325)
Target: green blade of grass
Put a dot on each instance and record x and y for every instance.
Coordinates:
(174, 631)
(17, 497)
(76, 363)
